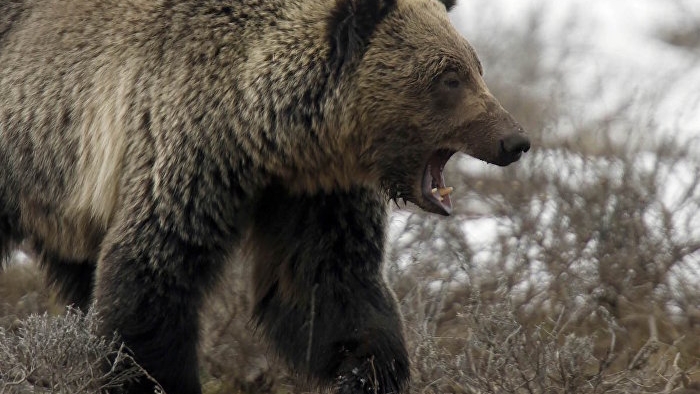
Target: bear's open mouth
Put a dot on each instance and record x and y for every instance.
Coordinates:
(433, 186)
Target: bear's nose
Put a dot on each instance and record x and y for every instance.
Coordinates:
(512, 147)
(515, 144)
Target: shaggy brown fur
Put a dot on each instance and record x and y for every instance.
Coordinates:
(140, 140)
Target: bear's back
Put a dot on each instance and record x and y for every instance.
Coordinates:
(91, 89)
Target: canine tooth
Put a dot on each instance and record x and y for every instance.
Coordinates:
(445, 191)
(435, 190)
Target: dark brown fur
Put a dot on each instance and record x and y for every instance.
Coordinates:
(140, 140)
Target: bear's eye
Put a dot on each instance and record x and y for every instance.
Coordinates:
(448, 88)
(450, 80)
(451, 83)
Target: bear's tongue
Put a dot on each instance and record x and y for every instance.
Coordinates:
(434, 189)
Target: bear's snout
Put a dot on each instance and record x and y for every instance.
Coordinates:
(513, 146)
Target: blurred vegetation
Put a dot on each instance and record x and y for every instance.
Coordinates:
(686, 34)
(588, 282)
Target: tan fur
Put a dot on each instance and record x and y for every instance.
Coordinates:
(101, 152)
(76, 237)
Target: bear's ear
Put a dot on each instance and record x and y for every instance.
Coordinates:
(350, 26)
(449, 4)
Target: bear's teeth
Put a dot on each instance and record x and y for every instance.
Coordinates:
(442, 192)
(445, 190)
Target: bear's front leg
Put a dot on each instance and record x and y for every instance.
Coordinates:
(152, 275)
(320, 294)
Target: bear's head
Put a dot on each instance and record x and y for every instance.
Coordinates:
(418, 96)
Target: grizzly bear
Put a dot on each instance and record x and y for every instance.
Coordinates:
(143, 142)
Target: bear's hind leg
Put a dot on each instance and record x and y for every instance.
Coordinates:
(320, 294)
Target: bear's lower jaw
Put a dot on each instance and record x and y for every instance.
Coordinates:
(436, 195)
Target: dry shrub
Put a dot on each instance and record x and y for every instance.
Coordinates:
(61, 354)
(488, 347)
